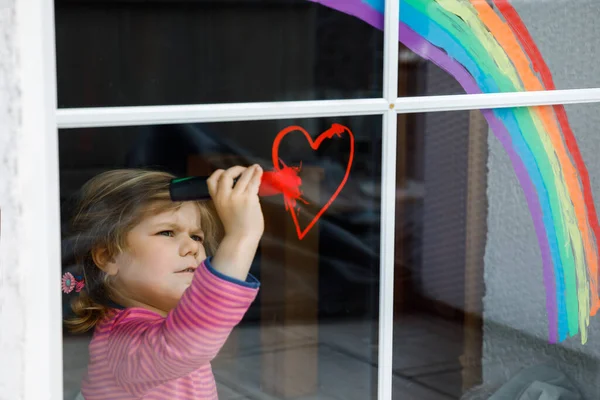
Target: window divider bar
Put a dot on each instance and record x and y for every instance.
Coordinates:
(156, 115)
(388, 201)
(390, 50)
(387, 257)
(422, 104)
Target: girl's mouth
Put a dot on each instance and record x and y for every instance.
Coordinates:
(188, 270)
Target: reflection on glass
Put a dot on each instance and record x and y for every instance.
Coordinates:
(312, 331)
(497, 256)
(121, 53)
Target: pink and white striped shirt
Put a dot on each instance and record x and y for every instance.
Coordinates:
(138, 354)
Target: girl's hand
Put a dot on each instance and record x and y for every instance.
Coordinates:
(239, 206)
(242, 218)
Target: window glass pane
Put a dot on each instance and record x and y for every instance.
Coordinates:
(496, 46)
(496, 274)
(312, 331)
(128, 53)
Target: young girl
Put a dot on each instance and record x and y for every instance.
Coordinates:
(161, 295)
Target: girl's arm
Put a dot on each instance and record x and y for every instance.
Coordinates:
(146, 350)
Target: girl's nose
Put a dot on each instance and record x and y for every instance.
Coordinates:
(190, 247)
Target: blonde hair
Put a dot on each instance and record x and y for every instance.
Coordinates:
(110, 206)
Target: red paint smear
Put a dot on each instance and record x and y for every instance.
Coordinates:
(286, 180)
(539, 65)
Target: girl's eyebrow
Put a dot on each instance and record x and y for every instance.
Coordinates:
(175, 226)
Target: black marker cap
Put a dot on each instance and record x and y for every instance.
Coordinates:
(190, 188)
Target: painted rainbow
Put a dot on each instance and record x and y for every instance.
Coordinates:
(491, 51)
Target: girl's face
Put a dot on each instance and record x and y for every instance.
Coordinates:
(162, 253)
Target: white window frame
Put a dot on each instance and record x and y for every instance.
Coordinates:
(38, 327)
(42, 120)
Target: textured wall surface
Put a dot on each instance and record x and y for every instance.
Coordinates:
(515, 294)
(515, 329)
(11, 296)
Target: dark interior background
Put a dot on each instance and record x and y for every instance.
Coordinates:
(119, 52)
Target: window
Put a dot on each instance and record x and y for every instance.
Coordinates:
(382, 258)
(186, 52)
(314, 292)
(482, 298)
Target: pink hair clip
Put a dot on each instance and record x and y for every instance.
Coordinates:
(69, 282)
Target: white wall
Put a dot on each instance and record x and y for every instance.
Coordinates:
(12, 323)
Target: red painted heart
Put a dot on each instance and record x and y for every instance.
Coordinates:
(290, 196)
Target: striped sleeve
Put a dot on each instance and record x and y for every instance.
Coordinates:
(146, 350)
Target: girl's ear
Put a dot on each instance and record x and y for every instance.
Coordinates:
(103, 259)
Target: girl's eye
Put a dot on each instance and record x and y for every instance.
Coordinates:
(198, 238)
(167, 233)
